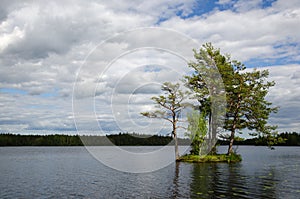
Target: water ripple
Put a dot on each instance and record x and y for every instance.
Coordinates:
(70, 172)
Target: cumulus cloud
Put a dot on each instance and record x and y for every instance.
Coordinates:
(48, 47)
(247, 34)
(285, 94)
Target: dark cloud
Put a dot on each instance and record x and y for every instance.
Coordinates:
(11, 122)
(6, 6)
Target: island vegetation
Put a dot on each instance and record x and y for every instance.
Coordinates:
(218, 81)
(231, 158)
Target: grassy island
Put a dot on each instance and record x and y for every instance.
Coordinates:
(232, 158)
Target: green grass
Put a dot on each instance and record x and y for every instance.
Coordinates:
(232, 158)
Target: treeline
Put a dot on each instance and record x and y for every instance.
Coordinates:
(289, 139)
(122, 139)
(39, 140)
(144, 140)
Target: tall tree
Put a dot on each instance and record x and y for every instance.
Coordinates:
(170, 106)
(207, 85)
(246, 92)
(247, 106)
(197, 129)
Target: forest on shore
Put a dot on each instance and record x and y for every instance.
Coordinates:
(125, 139)
(121, 139)
(289, 139)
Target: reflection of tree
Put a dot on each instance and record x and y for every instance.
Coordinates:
(241, 186)
(217, 181)
(267, 184)
(175, 180)
(228, 181)
(204, 179)
(235, 186)
(222, 180)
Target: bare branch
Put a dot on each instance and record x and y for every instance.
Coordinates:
(155, 115)
(182, 127)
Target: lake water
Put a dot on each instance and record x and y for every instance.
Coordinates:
(71, 172)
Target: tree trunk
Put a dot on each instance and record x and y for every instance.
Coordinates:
(213, 149)
(210, 132)
(175, 134)
(175, 141)
(212, 135)
(176, 146)
(231, 142)
(175, 180)
(234, 125)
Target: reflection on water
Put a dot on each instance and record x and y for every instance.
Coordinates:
(263, 175)
(227, 181)
(71, 172)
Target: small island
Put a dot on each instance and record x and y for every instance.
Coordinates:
(231, 158)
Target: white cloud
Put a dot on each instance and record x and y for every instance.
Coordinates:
(285, 95)
(249, 34)
(223, 2)
(246, 5)
(8, 38)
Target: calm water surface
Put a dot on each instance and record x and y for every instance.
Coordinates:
(71, 172)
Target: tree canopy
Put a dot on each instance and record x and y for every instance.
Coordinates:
(246, 104)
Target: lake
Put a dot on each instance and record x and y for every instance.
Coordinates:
(72, 172)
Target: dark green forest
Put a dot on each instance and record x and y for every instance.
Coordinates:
(121, 139)
(124, 139)
(289, 139)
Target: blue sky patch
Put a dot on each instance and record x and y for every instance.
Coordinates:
(200, 8)
(13, 91)
(267, 3)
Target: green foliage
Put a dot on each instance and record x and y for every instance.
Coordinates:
(231, 158)
(169, 105)
(283, 139)
(207, 86)
(197, 129)
(245, 92)
(204, 81)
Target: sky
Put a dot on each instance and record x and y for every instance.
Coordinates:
(91, 67)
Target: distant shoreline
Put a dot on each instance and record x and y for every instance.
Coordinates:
(123, 139)
(86, 140)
